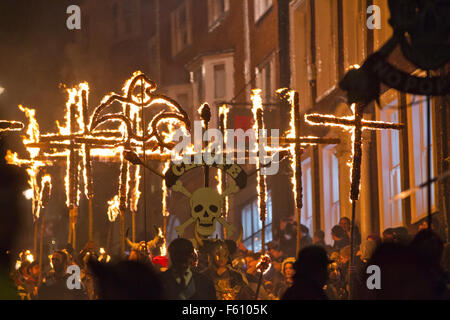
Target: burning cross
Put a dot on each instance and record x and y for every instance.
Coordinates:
(356, 124)
(296, 145)
(81, 138)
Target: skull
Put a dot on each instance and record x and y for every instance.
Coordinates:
(206, 205)
(423, 28)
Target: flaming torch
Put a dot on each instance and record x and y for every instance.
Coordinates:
(258, 114)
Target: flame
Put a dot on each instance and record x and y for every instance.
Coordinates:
(257, 106)
(223, 111)
(164, 189)
(32, 130)
(113, 208)
(163, 246)
(46, 180)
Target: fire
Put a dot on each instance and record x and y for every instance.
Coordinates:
(113, 208)
(223, 113)
(163, 246)
(164, 189)
(257, 108)
(32, 130)
(352, 123)
(46, 189)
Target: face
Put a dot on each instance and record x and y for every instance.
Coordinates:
(345, 224)
(35, 270)
(289, 270)
(275, 253)
(57, 262)
(221, 256)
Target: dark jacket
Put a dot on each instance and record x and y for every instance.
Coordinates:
(199, 287)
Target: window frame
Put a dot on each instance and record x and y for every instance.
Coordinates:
(215, 18)
(390, 101)
(255, 235)
(176, 36)
(415, 215)
(259, 11)
(326, 157)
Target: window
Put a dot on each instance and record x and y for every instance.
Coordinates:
(307, 210)
(265, 79)
(219, 81)
(180, 23)
(390, 174)
(261, 6)
(197, 80)
(417, 141)
(326, 38)
(330, 193)
(216, 10)
(252, 225)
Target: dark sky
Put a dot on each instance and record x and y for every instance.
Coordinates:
(33, 35)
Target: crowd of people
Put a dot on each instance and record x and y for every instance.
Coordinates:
(412, 267)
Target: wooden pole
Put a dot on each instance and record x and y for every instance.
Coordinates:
(133, 226)
(91, 219)
(122, 233)
(298, 168)
(41, 245)
(35, 232)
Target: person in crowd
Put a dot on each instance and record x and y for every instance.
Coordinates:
(446, 263)
(407, 274)
(346, 223)
(274, 275)
(288, 236)
(336, 288)
(254, 279)
(54, 286)
(311, 274)
(388, 235)
(340, 238)
(288, 272)
(319, 240)
(126, 280)
(179, 281)
(429, 248)
(229, 284)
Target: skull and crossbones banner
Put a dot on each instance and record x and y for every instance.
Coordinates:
(206, 203)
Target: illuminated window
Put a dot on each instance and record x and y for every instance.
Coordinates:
(389, 161)
(261, 7)
(252, 225)
(216, 10)
(180, 23)
(307, 210)
(417, 141)
(330, 194)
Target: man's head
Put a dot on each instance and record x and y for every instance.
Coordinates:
(181, 252)
(312, 265)
(319, 236)
(338, 233)
(274, 250)
(59, 261)
(344, 222)
(33, 269)
(220, 254)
